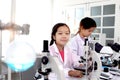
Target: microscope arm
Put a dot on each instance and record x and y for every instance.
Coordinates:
(57, 67)
(96, 58)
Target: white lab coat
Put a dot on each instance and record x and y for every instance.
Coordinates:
(77, 45)
(70, 60)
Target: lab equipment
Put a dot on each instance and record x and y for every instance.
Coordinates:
(119, 63)
(49, 64)
(99, 37)
(20, 56)
(103, 49)
(115, 46)
(114, 71)
(106, 55)
(108, 60)
(24, 29)
(92, 63)
(105, 74)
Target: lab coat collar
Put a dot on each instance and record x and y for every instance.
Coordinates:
(56, 51)
(79, 38)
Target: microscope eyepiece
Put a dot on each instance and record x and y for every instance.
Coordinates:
(45, 46)
(86, 41)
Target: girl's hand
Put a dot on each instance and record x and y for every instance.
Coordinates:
(81, 65)
(75, 73)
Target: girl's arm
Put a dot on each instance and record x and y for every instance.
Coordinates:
(72, 73)
(75, 73)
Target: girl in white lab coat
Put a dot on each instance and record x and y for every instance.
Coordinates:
(86, 27)
(59, 38)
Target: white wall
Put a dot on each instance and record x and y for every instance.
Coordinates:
(77, 2)
(37, 13)
(117, 29)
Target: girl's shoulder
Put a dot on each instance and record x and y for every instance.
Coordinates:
(73, 41)
(53, 49)
(75, 38)
(68, 48)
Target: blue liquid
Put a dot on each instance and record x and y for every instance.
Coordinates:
(20, 67)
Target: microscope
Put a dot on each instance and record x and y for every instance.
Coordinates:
(106, 53)
(91, 61)
(108, 60)
(48, 64)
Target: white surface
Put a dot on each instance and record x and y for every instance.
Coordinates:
(106, 49)
(114, 78)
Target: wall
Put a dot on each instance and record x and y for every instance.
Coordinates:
(67, 3)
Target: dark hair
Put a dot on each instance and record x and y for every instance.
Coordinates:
(54, 30)
(87, 23)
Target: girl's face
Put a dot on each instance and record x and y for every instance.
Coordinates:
(62, 36)
(86, 32)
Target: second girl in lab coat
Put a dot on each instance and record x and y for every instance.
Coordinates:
(86, 27)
